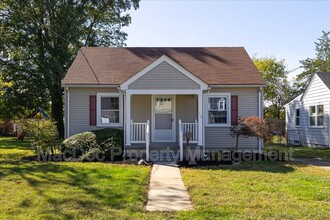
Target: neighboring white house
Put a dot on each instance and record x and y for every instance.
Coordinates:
(307, 116)
(157, 95)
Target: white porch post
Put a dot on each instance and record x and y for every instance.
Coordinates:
(128, 119)
(200, 119)
(181, 140)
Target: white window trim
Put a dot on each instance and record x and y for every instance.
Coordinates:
(98, 110)
(295, 118)
(206, 109)
(316, 113)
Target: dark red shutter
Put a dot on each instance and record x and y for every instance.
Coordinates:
(234, 109)
(92, 110)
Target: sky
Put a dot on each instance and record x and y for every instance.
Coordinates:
(281, 29)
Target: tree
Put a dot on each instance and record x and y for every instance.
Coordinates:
(321, 63)
(277, 91)
(39, 39)
(250, 126)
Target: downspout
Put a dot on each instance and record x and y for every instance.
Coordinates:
(68, 112)
(123, 93)
(260, 116)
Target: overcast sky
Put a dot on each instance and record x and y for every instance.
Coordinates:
(282, 29)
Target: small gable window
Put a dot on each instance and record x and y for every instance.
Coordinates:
(298, 117)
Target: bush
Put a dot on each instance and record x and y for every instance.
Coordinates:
(250, 126)
(7, 128)
(93, 145)
(43, 134)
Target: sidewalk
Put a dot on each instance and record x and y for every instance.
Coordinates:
(167, 191)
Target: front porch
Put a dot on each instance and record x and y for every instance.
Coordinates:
(163, 123)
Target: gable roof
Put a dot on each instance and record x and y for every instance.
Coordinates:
(296, 98)
(325, 77)
(114, 66)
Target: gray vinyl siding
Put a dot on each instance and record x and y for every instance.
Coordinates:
(293, 131)
(164, 76)
(186, 110)
(317, 94)
(219, 137)
(79, 108)
(141, 108)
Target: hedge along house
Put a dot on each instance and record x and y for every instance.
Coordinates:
(161, 96)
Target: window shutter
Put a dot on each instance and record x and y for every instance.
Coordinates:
(92, 110)
(234, 109)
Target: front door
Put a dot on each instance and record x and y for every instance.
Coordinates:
(163, 119)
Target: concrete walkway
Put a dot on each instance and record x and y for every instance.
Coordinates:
(167, 191)
(318, 162)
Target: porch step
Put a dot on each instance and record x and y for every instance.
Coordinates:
(156, 154)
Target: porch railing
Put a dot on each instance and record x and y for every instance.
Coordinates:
(140, 133)
(192, 129)
(187, 130)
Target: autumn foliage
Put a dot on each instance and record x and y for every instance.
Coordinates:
(250, 126)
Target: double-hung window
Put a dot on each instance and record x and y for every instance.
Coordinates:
(109, 109)
(316, 115)
(218, 110)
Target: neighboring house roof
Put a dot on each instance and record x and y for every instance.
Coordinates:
(296, 98)
(325, 77)
(114, 66)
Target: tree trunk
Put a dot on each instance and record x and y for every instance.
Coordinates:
(236, 147)
(57, 110)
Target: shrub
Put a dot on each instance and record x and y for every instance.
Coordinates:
(89, 146)
(43, 134)
(77, 144)
(250, 126)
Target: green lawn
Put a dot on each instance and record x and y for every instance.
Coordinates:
(259, 190)
(68, 190)
(301, 152)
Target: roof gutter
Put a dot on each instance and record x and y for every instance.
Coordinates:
(91, 85)
(240, 86)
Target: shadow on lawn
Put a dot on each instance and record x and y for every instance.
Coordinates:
(12, 143)
(41, 175)
(259, 166)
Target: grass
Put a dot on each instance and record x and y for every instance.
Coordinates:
(68, 190)
(259, 190)
(301, 152)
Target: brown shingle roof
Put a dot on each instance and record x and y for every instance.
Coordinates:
(113, 66)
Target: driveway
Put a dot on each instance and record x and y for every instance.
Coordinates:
(318, 162)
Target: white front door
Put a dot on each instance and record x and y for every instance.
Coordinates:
(163, 118)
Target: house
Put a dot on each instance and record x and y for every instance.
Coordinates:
(160, 96)
(307, 116)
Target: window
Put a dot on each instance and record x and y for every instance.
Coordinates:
(297, 117)
(316, 115)
(109, 109)
(217, 107)
(320, 111)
